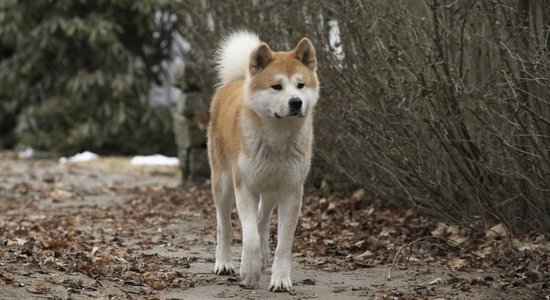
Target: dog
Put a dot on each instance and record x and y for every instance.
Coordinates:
(260, 139)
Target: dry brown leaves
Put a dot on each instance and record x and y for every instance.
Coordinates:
(49, 228)
(102, 241)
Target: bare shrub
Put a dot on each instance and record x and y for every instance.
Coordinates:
(443, 105)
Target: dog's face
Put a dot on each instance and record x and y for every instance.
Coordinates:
(283, 84)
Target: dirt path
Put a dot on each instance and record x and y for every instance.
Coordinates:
(73, 232)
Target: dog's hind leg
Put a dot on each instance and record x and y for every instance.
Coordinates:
(224, 197)
(288, 210)
(267, 203)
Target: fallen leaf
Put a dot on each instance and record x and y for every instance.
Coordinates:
(156, 285)
(483, 252)
(459, 238)
(359, 244)
(17, 241)
(496, 232)
(59, 194)
(456, 263)
(6, 277)
(358, 195)
(439, 230)
(367, 253)
(40, 288)
(55, 244)
(331, 207)
(526, 245)
(457, 235)
(387, 231)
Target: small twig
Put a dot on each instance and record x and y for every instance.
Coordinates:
(414, 242)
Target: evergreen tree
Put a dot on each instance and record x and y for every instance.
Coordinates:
(75, 75)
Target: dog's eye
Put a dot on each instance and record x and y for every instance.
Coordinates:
(277, 87)
(301, 85)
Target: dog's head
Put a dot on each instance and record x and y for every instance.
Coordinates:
(283, 84)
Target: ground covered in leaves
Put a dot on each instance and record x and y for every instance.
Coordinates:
(100, 230)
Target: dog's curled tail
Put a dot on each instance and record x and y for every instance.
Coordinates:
(233, 56)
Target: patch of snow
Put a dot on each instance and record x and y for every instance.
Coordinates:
(151, 160)
(334, 40)
(84, 156)
(27, 153)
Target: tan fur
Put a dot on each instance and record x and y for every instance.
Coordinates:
(224, 129)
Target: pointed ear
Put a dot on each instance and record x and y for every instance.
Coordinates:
(259, 58)
(305, 52)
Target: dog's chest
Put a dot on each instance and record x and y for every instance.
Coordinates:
(268, 167)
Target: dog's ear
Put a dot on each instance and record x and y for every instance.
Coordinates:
(305, 52)
(259, 58)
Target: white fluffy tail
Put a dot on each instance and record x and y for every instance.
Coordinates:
(233, 56)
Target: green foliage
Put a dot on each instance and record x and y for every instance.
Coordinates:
(77, 74)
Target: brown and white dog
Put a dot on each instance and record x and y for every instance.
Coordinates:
(259, 144)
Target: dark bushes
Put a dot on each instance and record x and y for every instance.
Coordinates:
(452, 101)
(444, 105)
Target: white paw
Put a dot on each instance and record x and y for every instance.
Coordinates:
(250, 279)
(224, 268)
(250, 271)
(280, 283)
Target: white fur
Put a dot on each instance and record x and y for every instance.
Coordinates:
(233, 56)
(274, 164)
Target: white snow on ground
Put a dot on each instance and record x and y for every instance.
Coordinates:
(156, 159)
(84, 156)
(27, 153)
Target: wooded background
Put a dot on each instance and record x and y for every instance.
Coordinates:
(75, 75)
(440, 105)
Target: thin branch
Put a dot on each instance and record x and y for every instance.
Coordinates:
(415, 242)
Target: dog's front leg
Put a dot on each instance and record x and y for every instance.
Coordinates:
(288, 211)
(251, 264)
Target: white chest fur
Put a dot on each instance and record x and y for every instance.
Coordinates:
(277, 156)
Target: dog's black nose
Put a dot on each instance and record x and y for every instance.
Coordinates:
(295, 103)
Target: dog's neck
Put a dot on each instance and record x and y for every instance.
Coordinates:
(278, 134)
